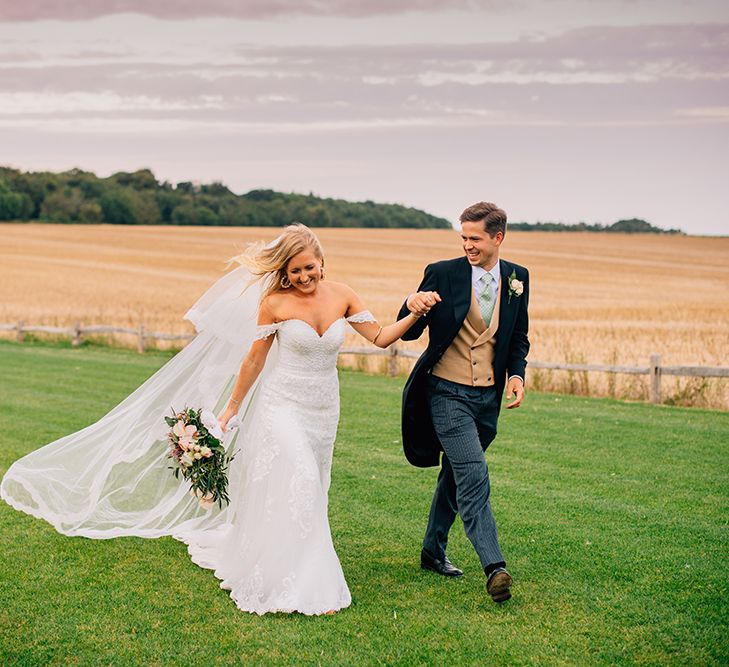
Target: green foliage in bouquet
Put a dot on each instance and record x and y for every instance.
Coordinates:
(196, 447)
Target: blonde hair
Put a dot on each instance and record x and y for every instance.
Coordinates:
(268, 262)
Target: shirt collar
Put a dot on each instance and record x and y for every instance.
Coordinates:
(478, 271)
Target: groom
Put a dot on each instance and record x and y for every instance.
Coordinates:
(478, 343)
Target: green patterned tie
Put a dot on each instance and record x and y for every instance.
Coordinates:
(486, 297)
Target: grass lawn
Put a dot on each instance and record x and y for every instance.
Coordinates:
(613, 518)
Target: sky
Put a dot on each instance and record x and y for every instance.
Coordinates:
(560, 110)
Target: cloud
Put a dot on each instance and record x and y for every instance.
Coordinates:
(633, 76)
(611, 54)
(705, 113)
(596, 49)
(79, 10)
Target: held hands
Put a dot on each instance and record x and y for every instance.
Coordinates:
(515, 387)
(420, 303)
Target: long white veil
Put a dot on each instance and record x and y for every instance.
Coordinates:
(112, 479)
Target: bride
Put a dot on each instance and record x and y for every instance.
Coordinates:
(265, 353)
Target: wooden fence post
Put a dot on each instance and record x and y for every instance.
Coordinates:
(655, 378)
(21, 333)
(140, 341)
(392, 361)
(76, 340)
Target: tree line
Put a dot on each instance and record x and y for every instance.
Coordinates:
(138, 198)
(629, 226)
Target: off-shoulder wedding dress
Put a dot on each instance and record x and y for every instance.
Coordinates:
(272, 546)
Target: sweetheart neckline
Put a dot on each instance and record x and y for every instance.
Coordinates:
(298, 319)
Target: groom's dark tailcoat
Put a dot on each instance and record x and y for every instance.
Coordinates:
(452, 280)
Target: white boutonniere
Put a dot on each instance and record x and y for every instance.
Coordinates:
(516, 287)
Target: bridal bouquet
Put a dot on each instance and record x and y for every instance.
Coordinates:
(196, 447)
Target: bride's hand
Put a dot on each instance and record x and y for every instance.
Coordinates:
(420, 303)
(225, 416)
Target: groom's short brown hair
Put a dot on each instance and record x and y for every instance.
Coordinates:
(493, 218)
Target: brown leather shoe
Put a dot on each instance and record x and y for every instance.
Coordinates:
(498, 585)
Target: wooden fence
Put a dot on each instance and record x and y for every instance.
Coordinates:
(77, 331)
(654, 369)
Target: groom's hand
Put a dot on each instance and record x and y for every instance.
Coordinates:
(515, 387)
(421, 302)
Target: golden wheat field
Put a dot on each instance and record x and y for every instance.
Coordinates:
(595, 298)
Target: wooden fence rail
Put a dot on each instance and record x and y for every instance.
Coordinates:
(654, 370)
(77, 331)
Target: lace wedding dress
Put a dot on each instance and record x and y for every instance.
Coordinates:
(277, 553)
(271, 547)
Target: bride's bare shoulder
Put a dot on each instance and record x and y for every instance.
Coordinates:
(268, 308)
(341, 289)
(271, 300)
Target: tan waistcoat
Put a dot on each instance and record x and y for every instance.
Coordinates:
(469, 359)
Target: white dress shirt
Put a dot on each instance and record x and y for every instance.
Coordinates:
(476, 273)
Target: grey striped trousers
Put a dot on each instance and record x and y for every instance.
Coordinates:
(465, 421)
